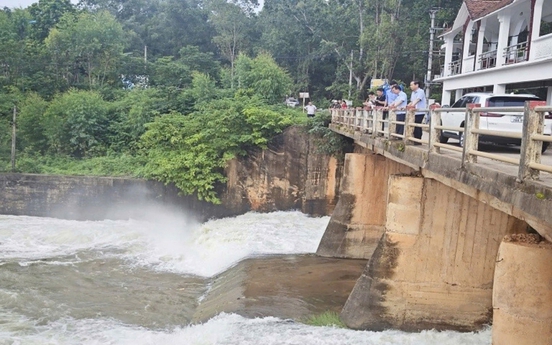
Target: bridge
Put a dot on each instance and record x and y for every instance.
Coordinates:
(456, 236)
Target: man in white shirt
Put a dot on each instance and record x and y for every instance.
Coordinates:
(418, 100)
(399, 104)
(311, 109)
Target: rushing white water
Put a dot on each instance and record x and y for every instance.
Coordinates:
(111, 270)
(166, 242)
(229, 329)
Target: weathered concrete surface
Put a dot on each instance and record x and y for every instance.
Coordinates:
(522, 294)
(434, 266)
(81, 197)
(358, 220)
(285, 286)
(290, 174)
(529, 200)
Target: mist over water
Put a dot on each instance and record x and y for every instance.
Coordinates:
(138, 281)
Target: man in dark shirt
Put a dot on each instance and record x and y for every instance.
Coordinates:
(381, 102)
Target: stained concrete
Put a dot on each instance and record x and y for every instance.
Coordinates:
(285, 286)
(358, 220)
(522, 293)
(489, 182)
(434, 266)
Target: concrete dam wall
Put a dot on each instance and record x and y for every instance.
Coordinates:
(290, 174)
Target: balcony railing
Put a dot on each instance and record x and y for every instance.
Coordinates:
(455, 67)
(516, 53)
(487, 60)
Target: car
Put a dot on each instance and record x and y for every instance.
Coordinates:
(291, 102)
(504, 122)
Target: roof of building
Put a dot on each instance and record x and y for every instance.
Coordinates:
(480, 8)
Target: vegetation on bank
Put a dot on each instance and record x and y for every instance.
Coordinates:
(172, 89)
(326, 319)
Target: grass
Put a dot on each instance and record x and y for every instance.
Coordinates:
(327, 318)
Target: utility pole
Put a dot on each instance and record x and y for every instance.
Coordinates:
(351, 75)
(13, 139)
(432, 31)
(145, 55)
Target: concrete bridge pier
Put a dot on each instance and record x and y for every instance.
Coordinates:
(522, 293)
(358, 220)
(434, 265)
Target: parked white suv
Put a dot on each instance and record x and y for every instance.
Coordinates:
(505, 122)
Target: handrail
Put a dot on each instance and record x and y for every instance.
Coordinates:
(372, 122)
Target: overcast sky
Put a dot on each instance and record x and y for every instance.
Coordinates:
(25, 3)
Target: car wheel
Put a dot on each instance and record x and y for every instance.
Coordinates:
(461, 139)
(544, 146)
(443, 139)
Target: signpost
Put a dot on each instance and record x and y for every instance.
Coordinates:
(304, 95)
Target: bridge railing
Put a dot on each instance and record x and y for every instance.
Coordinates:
(375, 124)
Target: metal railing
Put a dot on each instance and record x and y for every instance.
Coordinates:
(516, 53)
(455, 67)
(373, 124)
(487, 60)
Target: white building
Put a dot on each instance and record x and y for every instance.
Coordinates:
(498, 46)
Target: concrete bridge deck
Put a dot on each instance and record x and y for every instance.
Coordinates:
(487, 180)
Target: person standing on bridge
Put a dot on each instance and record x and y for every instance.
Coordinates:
(311, 109)
(418, 100)
(399, 103)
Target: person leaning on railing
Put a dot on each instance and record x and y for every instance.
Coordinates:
(399, 104)
(418, 100)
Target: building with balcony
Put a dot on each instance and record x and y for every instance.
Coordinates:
(498, 46)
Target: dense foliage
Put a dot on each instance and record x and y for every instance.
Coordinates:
(171, 89)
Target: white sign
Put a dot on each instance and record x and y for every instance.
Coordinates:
(303, 95)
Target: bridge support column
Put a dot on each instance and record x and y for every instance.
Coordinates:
(522, 294)
(434, 265)
(358, 220)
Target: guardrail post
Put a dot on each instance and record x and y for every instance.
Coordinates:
(375, 122)
(434, 133)
(408, 121)
(471, 140)
(392, 128)
(533, 123)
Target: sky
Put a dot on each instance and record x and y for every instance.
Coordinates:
(26, 3)
(16, 3)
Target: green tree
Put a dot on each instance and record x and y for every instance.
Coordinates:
(31, 125)
(46, 14)
(89, 42)
(232, 27)
(76, 124)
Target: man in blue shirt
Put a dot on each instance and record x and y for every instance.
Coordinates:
(399, 104)
(418, 100)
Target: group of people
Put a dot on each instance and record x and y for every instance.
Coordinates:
(392, 99)
(396, 99)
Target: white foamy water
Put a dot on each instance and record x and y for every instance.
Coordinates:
(227, 329)
(164, 242)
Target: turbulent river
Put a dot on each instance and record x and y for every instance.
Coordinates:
(138, 282)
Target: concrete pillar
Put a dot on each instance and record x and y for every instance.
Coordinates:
(549, 95)
(445, 98)
(458, 95)
(535, 29)
(480, 40)
(434, 266)
(499, 89)
(467, 67)
(449, 47)
(358, 219)
(503, 34)
(522, 294)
